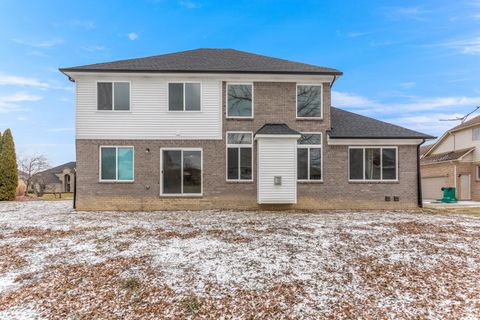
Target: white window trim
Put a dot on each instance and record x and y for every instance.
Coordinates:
(184, 101)
(116, 164)
(161, 173)
(477, 178)
(238, 146)
(321, 101)
(309, 146)
(226, 100)
(113, 95)
(381, 164)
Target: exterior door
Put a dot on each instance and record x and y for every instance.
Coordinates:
(465, 187)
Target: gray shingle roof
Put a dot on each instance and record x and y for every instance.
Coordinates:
(207, 61)
(447, 156)
(49, 175)
(276, 128)
(347, 124)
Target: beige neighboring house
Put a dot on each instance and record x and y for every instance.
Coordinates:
(57, 179)
(453, 161)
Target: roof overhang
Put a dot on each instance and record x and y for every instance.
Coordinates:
(373, 141)
(225, 76)
(278, 136)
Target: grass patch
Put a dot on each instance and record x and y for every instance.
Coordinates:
(131, 283)
(191, 304)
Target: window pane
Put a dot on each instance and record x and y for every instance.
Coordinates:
(476, 134)
(109, 162)
(372, 164)
(246, 163)
(125, 163)
(239, 100)
(175, 96)
(315, 164)
(310, 139)
(232, 163)
(192, 96)
(389, 164)
(172, 171)
(239, 138)
(356, 164)
(309, 101)
(302, 164)
(192, 172)
(122, 96)
(104, 96)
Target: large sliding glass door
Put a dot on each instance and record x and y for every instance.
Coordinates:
(181, 171)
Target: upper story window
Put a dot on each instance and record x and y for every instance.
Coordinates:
(309, 157)
(116, 163)
(370, 163)
(239, 156)
(113, 96)
(309, 101)
(184, 96)
(476, 134)
(239, 100)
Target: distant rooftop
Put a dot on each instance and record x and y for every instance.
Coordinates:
(207, 61)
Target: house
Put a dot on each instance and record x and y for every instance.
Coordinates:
(221, 128)
(55, 180)
(453, 161)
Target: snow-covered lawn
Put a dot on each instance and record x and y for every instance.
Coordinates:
(55, 263)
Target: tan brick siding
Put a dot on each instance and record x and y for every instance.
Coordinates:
(273, 103)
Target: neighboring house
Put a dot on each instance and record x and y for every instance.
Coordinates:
(221, 128)
(452, 161)
(57, 179)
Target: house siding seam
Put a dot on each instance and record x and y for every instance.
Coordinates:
(274, 103)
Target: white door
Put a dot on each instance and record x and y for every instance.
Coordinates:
(432, 187)
(465, 187)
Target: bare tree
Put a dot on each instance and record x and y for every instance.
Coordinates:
(31, 165)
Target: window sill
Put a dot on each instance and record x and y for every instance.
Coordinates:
(374, 182)
(240, 181)
(309, 119)
(115, 182)
(310, 181)
(113, 111)
(240, 118)
(183, 196)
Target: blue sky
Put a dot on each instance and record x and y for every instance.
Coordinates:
(410, 63)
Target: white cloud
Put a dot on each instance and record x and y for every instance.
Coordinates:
(11, 80)
(404, 13)
(40, 44)
(189, 4)
(465, 46)
(20, 97)
(87, 24)
(93, 48)
(132, 36)
(59, 129)
(408, 85)
(411, 104)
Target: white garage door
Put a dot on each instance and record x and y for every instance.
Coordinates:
(432, 187)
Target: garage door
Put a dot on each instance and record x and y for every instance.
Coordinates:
(432, 187)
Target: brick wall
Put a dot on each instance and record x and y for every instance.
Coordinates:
(273, 103)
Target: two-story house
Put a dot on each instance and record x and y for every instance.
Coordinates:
(453, 161)
(221, 128)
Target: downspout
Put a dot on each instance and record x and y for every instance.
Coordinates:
(333, 81)
(75, 188)
(419, 177)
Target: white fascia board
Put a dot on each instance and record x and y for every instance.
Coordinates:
(373, 142)
(278, 136)
(224, 76)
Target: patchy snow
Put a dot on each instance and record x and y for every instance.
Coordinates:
(237, 264)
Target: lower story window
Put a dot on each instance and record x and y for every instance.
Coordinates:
(367, 163)
(309, 157)
(239, 156)
(116, 163)
(181, 171)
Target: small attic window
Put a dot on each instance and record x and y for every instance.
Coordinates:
(476, 134)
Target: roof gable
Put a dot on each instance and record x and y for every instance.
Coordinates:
(207, 61)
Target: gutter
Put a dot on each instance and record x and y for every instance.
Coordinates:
(419, 178)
